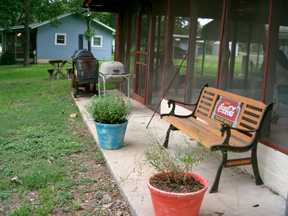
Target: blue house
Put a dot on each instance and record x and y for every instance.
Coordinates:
(59, 39)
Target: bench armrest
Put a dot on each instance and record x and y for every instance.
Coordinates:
(226, 129)
(172, 112)
(173, 102)
(225, 148)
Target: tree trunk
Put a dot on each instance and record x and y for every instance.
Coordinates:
(88, 30)
(27, 32)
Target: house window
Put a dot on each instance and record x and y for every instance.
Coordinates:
(97, 41)
(60, 39)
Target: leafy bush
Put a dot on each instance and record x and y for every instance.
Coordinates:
(7, 59)
(183, 160)
(109, 109)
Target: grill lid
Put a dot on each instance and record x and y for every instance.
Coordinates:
(85, 65)
(112, 68)
(82, 54)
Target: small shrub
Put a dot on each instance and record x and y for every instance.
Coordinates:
(173, 168)
(183, 160)
(109, 109)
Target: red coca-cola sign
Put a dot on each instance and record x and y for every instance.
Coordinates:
(227, 110)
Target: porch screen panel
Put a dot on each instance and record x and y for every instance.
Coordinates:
(19, 49)
(141, 56)
(205, 47)
(132, 48)
(179, 45)
(277, 91)
(158, 57)
(242, 60)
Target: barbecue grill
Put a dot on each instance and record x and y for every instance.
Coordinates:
(85, 71)
(113, 71)
(112, 68)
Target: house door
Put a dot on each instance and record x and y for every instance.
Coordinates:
(141, 57)
(80, 41)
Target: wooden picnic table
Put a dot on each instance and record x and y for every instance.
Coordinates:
(58, 65)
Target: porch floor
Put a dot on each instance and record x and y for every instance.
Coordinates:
(238, 195)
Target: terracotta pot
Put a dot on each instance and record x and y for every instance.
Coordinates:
(180, 204)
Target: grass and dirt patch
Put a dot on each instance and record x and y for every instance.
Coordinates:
(49, 164)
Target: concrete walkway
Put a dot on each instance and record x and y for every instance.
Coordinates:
(238, 195)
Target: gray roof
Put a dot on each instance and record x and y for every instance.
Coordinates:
(36, 25)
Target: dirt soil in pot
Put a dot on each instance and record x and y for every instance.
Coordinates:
(176, 183)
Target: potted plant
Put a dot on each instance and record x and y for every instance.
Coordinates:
(175, 190)
(110, 114)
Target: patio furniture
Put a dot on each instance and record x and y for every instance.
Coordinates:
(50, 72)
(113, 72)
(84, 72)
(58, 66)
(218, 113)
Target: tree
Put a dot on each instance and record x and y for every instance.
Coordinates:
(36, 11)
(10, 13)
(25, 12)
(27, 19)
(106, 18)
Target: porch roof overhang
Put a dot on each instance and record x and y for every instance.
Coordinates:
(157, 7)
(113, 5)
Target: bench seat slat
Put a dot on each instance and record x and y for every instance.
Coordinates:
(216, 125)
(207, 135)
(240, 98)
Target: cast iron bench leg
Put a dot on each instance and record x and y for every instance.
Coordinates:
(166, 142)
(255, 166)
(215, 185)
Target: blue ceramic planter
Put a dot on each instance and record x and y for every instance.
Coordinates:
(111, 136)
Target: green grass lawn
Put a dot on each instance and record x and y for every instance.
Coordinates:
(37, 138)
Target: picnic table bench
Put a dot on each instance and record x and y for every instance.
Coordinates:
(222, 121)
(57, 70)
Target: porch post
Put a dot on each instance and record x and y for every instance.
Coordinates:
(137, 51)
(233, 55)
(150, 50)
(246, 75)
(223, 43)
(119, 37)
(190, 73)
(271, 48)
(168, 41)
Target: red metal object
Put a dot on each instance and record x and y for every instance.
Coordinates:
(141, 66)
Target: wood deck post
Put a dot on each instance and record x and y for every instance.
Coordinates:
(190, 72)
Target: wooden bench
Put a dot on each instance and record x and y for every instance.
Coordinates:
(225, 122)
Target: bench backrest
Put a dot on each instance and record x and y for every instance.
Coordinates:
(250, 116)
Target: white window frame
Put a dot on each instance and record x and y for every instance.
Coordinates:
(101, 41)
(65, 39)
